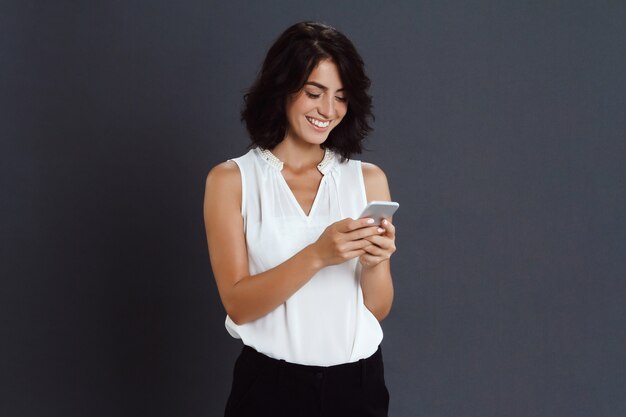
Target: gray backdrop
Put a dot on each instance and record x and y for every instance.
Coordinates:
(500, 126)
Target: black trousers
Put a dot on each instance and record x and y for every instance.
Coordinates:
(263, 386)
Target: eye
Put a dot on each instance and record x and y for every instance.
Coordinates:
(312, 95)
(341, 99)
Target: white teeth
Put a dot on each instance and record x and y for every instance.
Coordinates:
(318, 123)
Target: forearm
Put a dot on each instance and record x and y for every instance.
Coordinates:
(255, 296)
(377, 286)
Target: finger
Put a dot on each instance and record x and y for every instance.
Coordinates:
(358, 244)
(354, 253)
(349, 224)
(379, 239)
(388, 226)
(364, 232)
(381, 242)
(374, 250)
(387, 245)
(355, 245)
(369, 260)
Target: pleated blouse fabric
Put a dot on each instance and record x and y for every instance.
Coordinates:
(325, 322)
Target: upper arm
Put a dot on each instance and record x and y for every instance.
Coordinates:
(224, 227)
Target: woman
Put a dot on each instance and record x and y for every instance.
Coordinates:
(304, 282)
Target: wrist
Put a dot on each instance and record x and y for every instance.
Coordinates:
(314, 257)
(370, 266)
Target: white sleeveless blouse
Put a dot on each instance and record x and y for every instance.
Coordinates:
(325, 322)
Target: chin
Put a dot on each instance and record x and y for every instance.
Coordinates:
(317, 141)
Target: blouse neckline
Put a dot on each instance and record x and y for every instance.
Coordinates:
(324, 166)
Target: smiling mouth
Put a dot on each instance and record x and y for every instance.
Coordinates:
(318, 123)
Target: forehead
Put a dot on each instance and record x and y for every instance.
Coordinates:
(327, 74)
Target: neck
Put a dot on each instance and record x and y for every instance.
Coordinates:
(298, 156)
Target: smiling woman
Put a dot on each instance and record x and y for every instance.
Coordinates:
(287, 71)
(319, 107)
(304, 281)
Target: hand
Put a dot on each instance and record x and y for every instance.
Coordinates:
(344, 240)
(381, 247)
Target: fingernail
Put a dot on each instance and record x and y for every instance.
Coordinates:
(380, 230)
(384, 221)
(370, 221)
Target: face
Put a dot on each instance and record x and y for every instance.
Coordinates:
(318, 107)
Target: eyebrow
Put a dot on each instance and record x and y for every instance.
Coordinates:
(318, 85)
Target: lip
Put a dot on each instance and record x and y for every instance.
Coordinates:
(317, 128)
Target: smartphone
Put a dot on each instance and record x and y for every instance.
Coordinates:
(379, 210)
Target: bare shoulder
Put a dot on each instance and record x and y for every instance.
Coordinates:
(224, 181)
(376, 186)
(227, 171)
(225, 175)
(372, 172)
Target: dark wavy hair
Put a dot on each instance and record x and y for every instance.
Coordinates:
(286, 68)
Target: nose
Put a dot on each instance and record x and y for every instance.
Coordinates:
(326, 107)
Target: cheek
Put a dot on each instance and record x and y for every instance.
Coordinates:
(343, 111)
